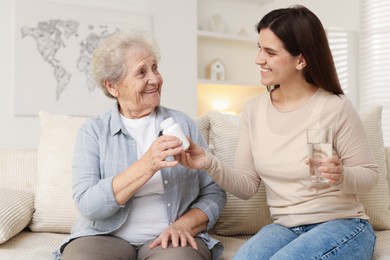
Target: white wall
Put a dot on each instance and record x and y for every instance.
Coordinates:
(246, 13)
(345, 13)
(175, 24)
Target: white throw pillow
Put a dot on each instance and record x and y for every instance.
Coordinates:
(55, 210)
(15, 213)
(377, 201)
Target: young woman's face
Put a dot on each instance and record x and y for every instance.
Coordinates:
(139, 93)
(277, 65)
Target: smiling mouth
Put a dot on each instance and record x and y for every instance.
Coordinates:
(151, 91)
(265, 70)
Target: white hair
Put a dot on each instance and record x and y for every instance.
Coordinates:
(109, 57)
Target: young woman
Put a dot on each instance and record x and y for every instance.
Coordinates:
(311, 220)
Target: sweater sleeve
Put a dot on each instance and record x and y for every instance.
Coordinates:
(241, 180)
(351, 145)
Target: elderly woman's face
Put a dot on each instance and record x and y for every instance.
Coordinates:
(139, 92)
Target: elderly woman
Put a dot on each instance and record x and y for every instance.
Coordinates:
(134, 201)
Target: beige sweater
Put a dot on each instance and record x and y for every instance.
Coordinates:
(272, 148)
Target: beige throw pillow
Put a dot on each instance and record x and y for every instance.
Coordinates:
(239, 216)
(377, 201)
(15, 213)
(55, 210)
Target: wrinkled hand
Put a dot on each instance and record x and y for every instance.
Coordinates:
(155, 158)
(332, 169)
(194, 157)
(176, 236)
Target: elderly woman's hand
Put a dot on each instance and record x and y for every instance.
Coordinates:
(182, 233)
(155, 158)
(176, 236)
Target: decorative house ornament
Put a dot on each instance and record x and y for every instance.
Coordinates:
(215, 70)
(216, 24)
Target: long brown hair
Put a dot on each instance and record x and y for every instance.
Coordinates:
(302, 32)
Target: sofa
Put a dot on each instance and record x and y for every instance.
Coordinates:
(37, 211)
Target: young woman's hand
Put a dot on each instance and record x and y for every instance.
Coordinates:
(332, 169)
(194, 157)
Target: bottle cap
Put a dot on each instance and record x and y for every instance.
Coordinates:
(167, 122)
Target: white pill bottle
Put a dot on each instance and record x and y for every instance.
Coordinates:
(169, 127)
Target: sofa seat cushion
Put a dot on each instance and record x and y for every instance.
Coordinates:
(231, 244)
(382, 247)
(31, 245)
(15, 213)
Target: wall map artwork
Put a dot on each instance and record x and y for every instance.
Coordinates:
(53, 50)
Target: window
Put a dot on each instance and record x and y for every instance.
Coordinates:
(343, 45)
(374, 52)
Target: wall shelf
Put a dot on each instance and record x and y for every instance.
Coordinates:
(236, 52)
(226, 36)
(228, 82)
(235, 46)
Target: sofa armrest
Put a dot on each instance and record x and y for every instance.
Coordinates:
(18, 168)
(16, 210)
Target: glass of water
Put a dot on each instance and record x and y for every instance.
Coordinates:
(319, 147)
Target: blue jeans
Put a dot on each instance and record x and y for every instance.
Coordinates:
(337, 239)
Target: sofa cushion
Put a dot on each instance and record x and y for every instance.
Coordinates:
(15, 213)
(55, 210)
(31, 246)
(377, 201)
(382, 245)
